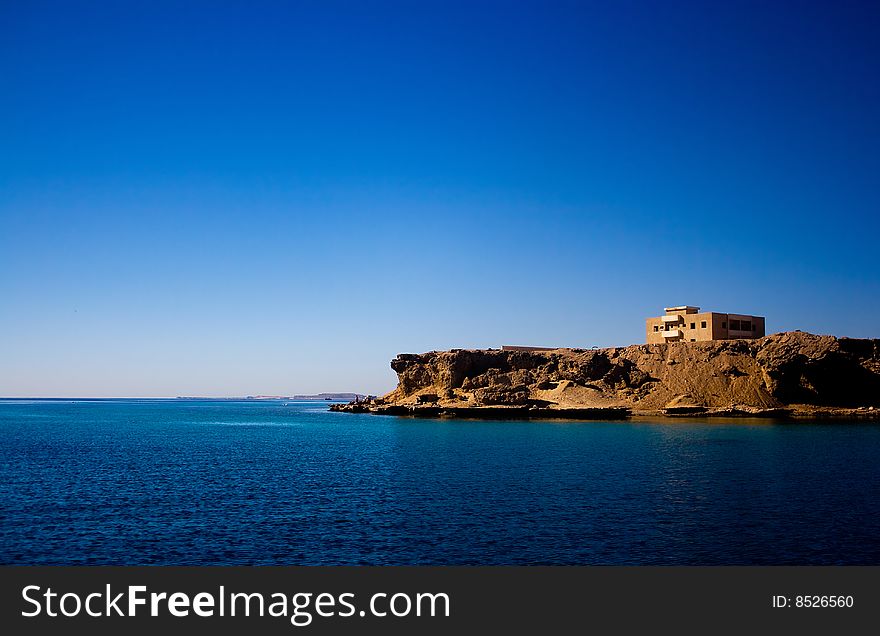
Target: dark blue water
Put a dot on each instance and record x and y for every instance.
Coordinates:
(175, 482)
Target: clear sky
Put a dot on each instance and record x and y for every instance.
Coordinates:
(228, 198)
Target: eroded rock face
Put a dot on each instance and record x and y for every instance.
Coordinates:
(770, 372)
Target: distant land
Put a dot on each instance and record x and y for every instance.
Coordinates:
(317, 396)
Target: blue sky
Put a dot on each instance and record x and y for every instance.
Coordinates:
(277, 197)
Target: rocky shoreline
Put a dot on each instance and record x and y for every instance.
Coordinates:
(785, 375)
(485, 412)
(605, 413)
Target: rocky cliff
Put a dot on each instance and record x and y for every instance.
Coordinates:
(796, 372)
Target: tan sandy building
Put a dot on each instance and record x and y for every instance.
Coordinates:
(688, 323)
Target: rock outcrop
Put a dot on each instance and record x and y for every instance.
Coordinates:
(794, 372)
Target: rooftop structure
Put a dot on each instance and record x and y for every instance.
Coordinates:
(687, 323)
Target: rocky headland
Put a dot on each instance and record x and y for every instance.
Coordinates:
(786, 374)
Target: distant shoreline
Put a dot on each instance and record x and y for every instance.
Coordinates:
(294, 398)
(306, 397)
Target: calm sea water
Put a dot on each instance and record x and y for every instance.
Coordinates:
(217, 483)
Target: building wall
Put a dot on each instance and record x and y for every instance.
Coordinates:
(719, 327)
(754, 329)
(703, 326)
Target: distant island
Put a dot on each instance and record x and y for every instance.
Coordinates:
(784, 374)
(316, 396)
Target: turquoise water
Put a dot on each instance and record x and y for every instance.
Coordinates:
(220, 483)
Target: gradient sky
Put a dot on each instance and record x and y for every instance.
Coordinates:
(228, 198)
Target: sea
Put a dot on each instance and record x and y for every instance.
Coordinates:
(251, 482)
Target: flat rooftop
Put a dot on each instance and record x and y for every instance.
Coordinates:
(688, 309)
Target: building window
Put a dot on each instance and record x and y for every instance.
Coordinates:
(693, 326)
(724, 325)
(754, 326)
(734, 325)
(746, 325)
(655, 328)
(703, 324)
